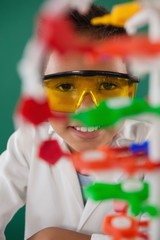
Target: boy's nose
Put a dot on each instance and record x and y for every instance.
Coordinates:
(86, 102)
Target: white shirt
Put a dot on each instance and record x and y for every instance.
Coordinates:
(52, 194)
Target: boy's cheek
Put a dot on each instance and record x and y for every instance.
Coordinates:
(60, 120)
(59, 116)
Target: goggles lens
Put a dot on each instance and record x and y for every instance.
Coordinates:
(66, 91)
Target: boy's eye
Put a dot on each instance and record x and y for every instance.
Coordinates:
(107, 86)
(65, 87)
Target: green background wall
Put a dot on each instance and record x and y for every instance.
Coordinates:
(16, 25)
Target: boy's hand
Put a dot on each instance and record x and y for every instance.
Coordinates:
(54, 233)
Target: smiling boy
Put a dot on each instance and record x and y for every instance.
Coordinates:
(52, 194)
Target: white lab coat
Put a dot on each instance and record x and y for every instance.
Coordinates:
(52, 194)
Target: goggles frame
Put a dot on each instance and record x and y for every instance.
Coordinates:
(132, 79)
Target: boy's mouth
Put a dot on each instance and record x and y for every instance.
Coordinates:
(89, 133)
(86, 129)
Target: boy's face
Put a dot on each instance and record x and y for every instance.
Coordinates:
(78, 137)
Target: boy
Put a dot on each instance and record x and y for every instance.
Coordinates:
(52, 194)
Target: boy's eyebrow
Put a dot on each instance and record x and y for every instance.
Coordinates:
(91, 73)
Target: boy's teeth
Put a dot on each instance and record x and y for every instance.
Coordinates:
(86, 129)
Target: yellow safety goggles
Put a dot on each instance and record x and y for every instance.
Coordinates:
(65, 91)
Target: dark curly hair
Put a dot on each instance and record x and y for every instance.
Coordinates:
(82, 23)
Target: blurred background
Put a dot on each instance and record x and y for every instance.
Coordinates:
(16, 25)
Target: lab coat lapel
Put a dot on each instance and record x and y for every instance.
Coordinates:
(90, 207)
(71, 183)
(70, 177)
